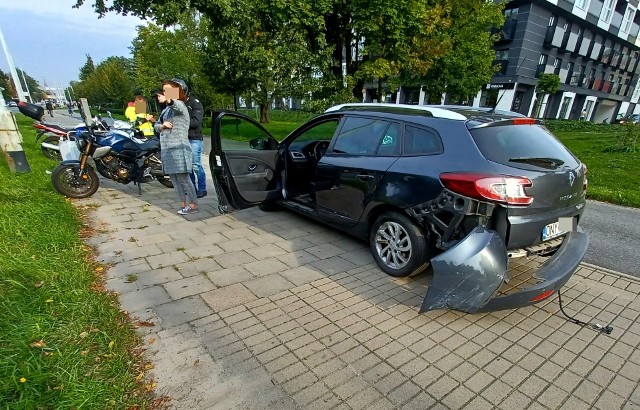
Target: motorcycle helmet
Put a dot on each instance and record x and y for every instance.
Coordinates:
(182, 85)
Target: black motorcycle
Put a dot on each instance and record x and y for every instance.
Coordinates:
(116, 155)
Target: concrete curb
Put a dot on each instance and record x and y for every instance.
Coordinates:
(612, 272)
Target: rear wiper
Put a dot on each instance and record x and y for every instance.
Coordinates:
(553, 162)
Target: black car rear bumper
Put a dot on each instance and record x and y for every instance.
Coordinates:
(467, 276)
(554, 273)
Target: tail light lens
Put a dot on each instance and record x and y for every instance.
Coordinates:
(495, 188)
(584, 183)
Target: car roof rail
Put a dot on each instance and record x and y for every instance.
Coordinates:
(429, 110)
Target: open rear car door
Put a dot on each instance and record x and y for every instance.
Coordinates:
(243, 161)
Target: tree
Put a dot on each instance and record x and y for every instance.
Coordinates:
(363, 39)
(160, 53)
(468, 62)
(32, 85)
(7, 83)
(87, 69)
(547, 84)
(111, 83)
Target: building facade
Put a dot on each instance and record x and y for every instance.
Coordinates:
(592, 45)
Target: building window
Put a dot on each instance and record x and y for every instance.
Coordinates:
(636, 92)
(567, 80)
(629, 14)
(542, 64)
(557, 65)
(582, 4)
(607, 11)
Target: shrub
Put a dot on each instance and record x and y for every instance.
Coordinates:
(578, 126)
(625, 139)
(320, 105)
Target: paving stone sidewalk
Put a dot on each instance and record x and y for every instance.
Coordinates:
(261, 310)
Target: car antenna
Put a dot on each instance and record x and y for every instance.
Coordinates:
(493, 110)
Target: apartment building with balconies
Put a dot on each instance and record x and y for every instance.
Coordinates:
(592, 45)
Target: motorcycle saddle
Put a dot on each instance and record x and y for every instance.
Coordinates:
(55, 127)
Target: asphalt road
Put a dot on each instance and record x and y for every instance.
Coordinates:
(614, 237)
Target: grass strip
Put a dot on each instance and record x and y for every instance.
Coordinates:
(64, 342)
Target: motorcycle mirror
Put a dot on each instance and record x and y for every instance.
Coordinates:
(109, 114)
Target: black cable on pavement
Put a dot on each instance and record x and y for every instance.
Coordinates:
(594, 326)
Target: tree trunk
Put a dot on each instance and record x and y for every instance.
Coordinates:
(235, 102)
(334, 38)
(357, 89)
(264, 113)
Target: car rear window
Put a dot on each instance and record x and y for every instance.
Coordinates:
(523, 146)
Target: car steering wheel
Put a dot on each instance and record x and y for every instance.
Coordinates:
(320, 149)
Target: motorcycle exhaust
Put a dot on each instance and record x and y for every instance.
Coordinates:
(50, 146)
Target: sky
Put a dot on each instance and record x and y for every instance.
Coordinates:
(49, 39)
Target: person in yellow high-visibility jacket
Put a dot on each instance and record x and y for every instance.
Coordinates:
(136, 113)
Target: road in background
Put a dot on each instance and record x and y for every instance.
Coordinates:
(614, 237)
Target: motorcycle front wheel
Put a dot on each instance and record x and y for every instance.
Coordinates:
(66, 182)
(50, 152)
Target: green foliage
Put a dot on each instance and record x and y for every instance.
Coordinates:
(548, 83)
(625, 139)
(467, 64)
(111, 83)
(579, 126)
(32, 85)
(87, 69)
(56, 328)
(263, 50)
(9, 92)
(7, 83)
(318, 106)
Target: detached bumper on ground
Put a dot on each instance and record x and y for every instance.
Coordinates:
(468, 276)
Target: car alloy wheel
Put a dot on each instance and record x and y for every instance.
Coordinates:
(393, 245)
(398, 245)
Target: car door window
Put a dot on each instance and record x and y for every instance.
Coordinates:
(360, 136)
(238, 133)
(389, 144)
(421, 141)
(320, 132)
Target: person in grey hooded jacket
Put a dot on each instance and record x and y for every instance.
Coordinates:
(173, 127)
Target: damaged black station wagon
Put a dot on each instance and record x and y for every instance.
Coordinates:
(468, 190)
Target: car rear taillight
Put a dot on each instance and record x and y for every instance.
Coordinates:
(496, 188)
(584, 183)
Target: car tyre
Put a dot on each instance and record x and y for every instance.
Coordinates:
(399, 246)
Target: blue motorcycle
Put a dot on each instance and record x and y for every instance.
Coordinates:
(117, 155)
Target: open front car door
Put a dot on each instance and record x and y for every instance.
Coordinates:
(244, 162)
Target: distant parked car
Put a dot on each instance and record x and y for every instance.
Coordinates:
(633, 118)
(12, 104)
(465, 189)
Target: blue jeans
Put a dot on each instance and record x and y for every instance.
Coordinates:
(198, 176)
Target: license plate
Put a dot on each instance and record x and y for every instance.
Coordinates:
(551, 231)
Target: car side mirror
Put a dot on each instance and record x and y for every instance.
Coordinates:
(258, 144)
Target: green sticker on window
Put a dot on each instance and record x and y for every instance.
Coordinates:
(387, 140)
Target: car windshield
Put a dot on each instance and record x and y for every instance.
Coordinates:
(523, 146)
